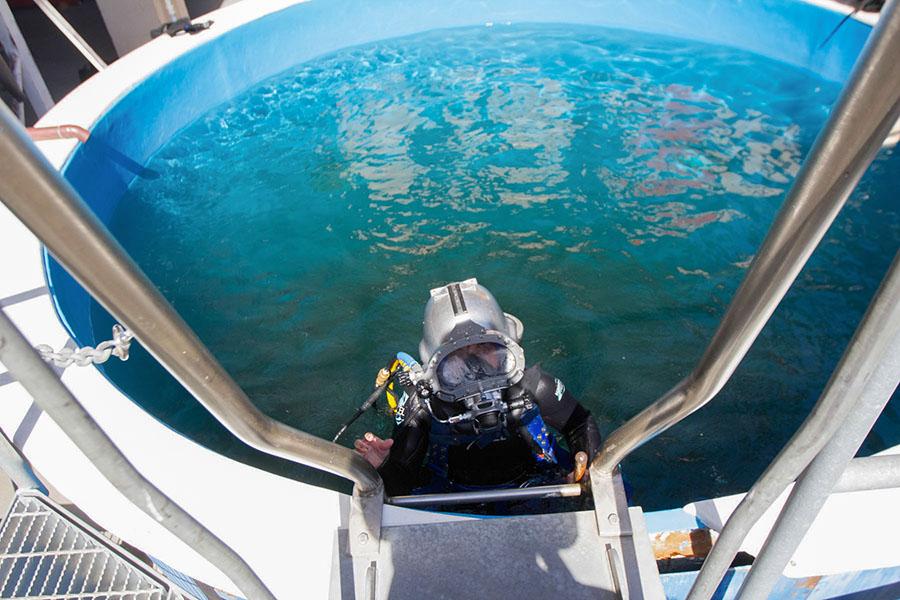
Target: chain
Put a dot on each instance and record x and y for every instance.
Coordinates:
(118, 346)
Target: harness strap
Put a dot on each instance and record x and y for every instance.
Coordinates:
(543, 443)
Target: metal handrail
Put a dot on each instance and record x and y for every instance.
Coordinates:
(860, 121)
(54, 398)
(563, 490)
(834, 462)
(865, 377)
(45, 202)
(878, 472)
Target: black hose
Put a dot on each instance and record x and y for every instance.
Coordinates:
(862, 5)
(370, 401)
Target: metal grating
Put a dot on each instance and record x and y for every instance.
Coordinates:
(48, 554)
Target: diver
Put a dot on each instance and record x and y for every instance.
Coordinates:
(472, 415)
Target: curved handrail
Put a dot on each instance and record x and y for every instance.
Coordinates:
(48, 205)
(861, 120)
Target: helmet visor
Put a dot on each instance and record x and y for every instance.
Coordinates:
(477, 362)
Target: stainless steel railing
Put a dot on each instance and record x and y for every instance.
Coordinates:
(856, 395)
(861, 120)
(564, 490)
(69, 32)
(45, 202)
(858, 390)
(859, 123)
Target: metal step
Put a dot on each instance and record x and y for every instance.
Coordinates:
(507, 557)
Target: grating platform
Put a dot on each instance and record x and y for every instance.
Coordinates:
(47, 553)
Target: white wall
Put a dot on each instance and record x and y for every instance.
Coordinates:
(130, 22)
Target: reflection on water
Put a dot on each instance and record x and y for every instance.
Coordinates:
(609, 187)
(469, 137)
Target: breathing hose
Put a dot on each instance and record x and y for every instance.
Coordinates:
(370, 401)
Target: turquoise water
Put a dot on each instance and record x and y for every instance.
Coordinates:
(610, 188)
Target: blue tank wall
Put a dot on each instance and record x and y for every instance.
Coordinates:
(150, 113)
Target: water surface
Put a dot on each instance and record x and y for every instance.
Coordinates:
(610, 188)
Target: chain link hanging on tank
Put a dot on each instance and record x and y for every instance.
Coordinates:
(88, 355)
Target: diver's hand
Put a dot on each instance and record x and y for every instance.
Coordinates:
(373, 448)
(581, 474)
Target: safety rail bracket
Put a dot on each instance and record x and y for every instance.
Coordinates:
(364, 523)
(610, 503)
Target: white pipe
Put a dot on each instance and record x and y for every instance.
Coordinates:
(67, 30)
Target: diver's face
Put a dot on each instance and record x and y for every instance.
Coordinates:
(486, 352)
(473, 363)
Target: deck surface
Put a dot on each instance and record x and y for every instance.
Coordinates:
(514, 557)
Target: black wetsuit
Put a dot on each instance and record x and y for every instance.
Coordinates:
(490, 461)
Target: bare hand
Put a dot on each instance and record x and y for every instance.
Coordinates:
(373, 448)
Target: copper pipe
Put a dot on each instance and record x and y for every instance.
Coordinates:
(59, 132)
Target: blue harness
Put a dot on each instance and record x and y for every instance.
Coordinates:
(545, 448)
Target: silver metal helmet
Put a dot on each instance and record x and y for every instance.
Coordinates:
(469, 345)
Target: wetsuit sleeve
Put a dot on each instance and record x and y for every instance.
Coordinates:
(556, 402)
(562, 411)
(403, 469)
(582, 433)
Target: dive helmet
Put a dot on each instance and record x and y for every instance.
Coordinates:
(469, 345)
